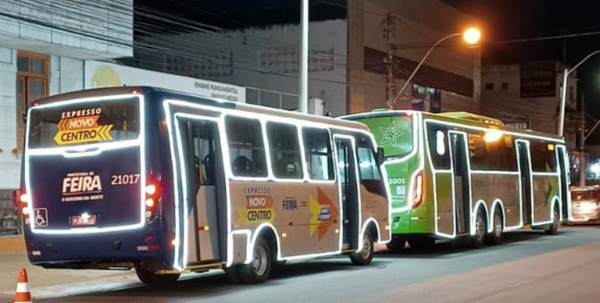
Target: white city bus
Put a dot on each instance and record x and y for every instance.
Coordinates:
(167, 183)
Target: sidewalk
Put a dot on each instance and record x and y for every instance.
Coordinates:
(49, 283)
(45, 283)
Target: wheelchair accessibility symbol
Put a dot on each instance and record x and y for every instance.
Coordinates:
(41, 217)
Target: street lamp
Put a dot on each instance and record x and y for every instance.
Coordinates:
(471, 36)
(563, 101)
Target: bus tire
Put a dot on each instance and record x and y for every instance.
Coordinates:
(151, 278)
(365, 255)
(423, 242)
(232, 274)
(396, 245)
(495, 237)
(258, 270)
(552, 229)
(478, 239)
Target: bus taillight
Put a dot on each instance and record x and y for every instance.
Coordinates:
(152, 192)
(19, 196)
(20, 200)
(417, 189)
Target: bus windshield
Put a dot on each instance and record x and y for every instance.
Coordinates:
(84, 123)
(392, 133)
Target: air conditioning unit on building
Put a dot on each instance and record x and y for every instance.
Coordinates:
(316, 106)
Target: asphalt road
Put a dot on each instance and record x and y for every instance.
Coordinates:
(528, 267)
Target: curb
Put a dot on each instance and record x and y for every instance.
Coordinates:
(12, 244)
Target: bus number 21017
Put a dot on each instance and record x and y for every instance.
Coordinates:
(125, 179)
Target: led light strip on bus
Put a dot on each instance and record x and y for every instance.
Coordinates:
(262, 118)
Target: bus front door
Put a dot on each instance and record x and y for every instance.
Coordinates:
(462, 188)
(526, 180)
(349, 189)
(205, 177)
(565, 195)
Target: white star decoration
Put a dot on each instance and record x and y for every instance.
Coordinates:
(390, 134)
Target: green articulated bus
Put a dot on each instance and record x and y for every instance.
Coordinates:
(458, 174)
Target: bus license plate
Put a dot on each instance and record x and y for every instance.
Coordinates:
(83, 221)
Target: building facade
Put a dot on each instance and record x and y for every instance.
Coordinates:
(528, 95)
(386, 42)
(347, 67)
(43, 45)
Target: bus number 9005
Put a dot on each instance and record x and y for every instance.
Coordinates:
(125, 179)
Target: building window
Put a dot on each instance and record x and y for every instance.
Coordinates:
(504, 85)
(489, 86)
(32, 84)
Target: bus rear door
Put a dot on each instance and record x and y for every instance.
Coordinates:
(204, 177)
(462, 188)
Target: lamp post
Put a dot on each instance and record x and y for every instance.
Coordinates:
(563, 101)
(471, 36)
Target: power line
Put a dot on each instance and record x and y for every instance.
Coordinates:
(545, 38)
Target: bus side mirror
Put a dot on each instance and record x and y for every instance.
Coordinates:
(24, 118)
(380, 157)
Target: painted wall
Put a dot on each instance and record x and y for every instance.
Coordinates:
(65, 74)
(77, 29)
(101, 74)
(262, 58)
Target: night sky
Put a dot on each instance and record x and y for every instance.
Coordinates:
(507, 20)
(502, 21)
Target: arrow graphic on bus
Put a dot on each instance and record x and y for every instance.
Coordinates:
(259, 209)
(324, 213)
(82, 130)
(79, 123)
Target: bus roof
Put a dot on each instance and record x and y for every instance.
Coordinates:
(464, 118)
(107, 91)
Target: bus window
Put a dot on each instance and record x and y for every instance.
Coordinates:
(393, 133)
(543, 157)
(204, 144)
(78, 124)
(369, 173)
(246, 147)
(318, 153)
(492, 153)
(368, 167)
(437, 138)
(285, 150)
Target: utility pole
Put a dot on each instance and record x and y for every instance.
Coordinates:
(582, 165)
(390, 33)
(303, 83)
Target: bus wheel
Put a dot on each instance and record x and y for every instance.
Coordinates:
(553, 228)
(258, 270)
(478, 238)
(396, 245)
(496, 236)
(423, 242)
(365, 255)
(232, 274)
(151, 278)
